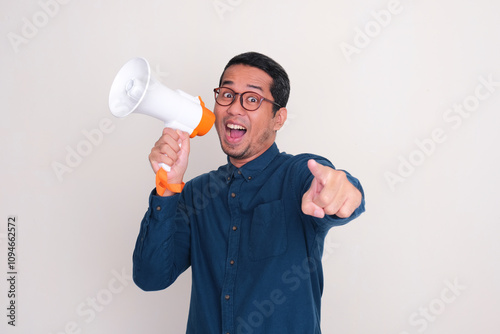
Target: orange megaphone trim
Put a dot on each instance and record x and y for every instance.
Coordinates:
(206, 122)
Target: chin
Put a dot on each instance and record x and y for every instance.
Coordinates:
(233, 152)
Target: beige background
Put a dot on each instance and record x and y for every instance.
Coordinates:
(369, 95)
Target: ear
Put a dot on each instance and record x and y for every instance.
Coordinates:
(280, 118)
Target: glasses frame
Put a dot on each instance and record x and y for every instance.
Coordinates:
(262, 98)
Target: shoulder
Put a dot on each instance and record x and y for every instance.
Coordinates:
(299, 161)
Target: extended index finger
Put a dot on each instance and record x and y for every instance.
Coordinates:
(318, 170)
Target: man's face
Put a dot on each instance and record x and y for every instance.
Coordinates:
(243, 134)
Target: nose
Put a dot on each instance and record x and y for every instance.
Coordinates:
(235, 108)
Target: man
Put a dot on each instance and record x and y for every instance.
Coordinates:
(252, 231)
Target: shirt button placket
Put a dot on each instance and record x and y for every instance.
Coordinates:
(232, 255)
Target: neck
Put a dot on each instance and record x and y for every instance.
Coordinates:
(239, 162)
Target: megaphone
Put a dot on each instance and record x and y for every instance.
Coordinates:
(135, 90)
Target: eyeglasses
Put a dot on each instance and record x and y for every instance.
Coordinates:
(249, 100)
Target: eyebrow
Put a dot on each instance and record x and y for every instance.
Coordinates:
(226, 82)
(256, 87)
(229, 82)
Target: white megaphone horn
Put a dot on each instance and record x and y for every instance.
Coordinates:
(134, 89)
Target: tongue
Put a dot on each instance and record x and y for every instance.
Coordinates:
(237, 133)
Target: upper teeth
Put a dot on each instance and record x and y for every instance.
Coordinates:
(235, 127)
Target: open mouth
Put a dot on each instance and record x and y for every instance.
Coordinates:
(235, 131)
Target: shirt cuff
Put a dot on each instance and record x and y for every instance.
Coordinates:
(361, 208)
(162, 207)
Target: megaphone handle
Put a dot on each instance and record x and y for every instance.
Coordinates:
(165, 166)
(162, 182)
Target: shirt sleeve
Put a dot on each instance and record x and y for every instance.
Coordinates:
(360, 209)
(328, 221)
(161, 251)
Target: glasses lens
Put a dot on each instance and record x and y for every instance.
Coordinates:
(225, 96)
(251, 101)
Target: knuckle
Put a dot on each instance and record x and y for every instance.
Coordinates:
(332, 209)
(326, 199)
(339, 176)
(153, 155)
(344, 212)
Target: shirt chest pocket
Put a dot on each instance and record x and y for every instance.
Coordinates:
(268, 237)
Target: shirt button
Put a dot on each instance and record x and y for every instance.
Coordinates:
(249, 178)
(233, 195)
(239, 172)
(235, 228)
(229, 178)
(158, 208)
(231, 262)
(227, 297)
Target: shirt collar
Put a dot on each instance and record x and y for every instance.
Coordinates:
(252, 168)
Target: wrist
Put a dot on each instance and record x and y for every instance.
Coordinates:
(167, 193)
(166, 186)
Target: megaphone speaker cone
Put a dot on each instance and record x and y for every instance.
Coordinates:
(129, 87)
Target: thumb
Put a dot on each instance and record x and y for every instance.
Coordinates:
(184, 141)
(308, 206)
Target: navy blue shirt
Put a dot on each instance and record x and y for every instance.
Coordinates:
(255, 257)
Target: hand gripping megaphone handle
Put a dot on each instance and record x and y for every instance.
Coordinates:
(162, 181)
(206, 122)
